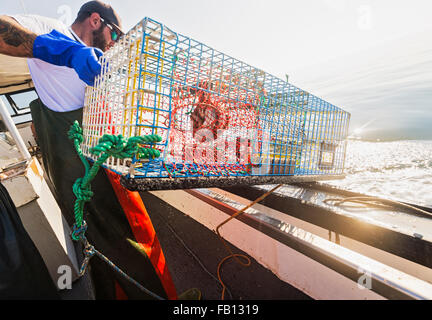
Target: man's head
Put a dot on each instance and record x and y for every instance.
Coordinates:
(98, 25)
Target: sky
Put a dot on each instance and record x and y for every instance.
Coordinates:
(372, 58)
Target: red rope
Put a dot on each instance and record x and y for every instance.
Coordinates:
(212, 105)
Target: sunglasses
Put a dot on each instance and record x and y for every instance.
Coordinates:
(115, 33)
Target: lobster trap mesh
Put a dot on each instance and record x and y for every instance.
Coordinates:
(217, 116)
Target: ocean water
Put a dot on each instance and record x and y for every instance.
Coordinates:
(399, 170)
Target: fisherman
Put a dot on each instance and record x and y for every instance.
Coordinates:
(62, 61)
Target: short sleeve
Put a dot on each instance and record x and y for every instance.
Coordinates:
(38, 24)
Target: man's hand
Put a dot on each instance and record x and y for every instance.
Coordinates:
(14, 39)
(85, 61)
(56, 48)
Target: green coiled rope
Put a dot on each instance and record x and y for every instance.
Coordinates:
(109, 146)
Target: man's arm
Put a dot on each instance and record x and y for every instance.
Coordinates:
(15, 40)
(54, 48)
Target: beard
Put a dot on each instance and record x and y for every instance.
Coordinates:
(99, 39)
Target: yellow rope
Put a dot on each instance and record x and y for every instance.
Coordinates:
(233, 255)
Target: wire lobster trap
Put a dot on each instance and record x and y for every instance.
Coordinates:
(222, 121)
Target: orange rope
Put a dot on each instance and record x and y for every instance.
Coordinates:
(233, 255)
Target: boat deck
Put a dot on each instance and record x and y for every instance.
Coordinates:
(245, 283)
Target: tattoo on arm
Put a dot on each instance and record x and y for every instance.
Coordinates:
(14, 39)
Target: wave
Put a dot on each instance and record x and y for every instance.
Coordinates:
(399, 170)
